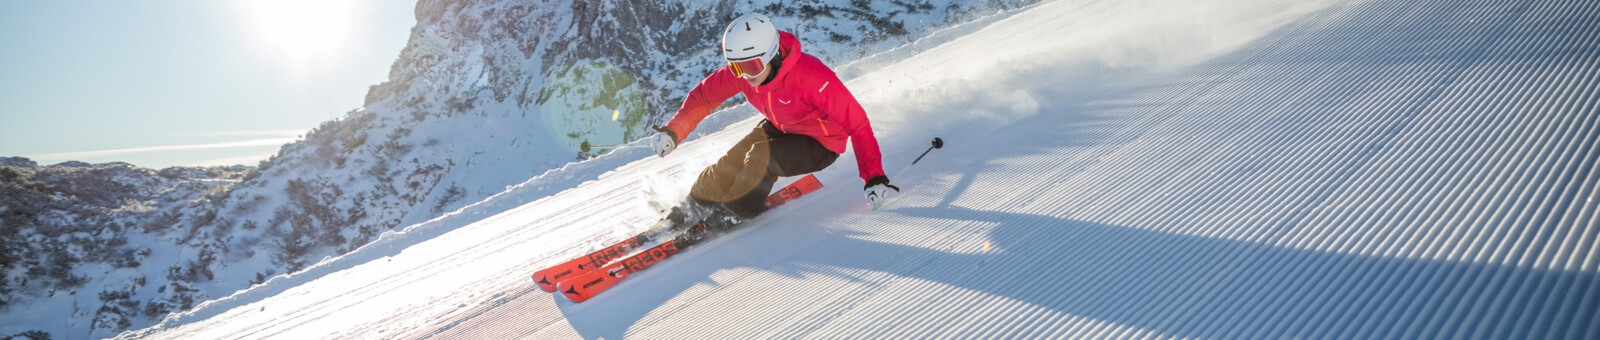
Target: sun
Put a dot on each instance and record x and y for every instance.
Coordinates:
(303, 32)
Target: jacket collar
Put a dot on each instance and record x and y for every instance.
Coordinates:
(789, 49)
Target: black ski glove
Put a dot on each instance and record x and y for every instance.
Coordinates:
(881, 179)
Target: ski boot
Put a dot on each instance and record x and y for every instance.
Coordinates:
(714, 216)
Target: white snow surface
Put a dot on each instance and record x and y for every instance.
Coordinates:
(1112, 169)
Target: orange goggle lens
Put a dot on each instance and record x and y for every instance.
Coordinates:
(747, 68)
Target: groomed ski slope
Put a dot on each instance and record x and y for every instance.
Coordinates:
(1112, 169)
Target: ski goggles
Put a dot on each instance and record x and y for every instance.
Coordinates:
(748, 68)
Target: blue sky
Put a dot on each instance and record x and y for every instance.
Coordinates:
(185, 82)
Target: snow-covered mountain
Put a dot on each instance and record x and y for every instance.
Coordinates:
(1113, 169)
(487, 95)
(71, 225)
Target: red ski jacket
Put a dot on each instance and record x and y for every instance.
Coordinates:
(805, 97)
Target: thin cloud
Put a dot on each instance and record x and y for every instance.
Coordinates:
(114, 152)
(249, 133)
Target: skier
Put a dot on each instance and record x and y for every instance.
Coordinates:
(809, 117)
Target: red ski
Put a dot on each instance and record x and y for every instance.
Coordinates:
(549, 278)
(583, 287)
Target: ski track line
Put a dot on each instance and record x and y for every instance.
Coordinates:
(589, 242)
(612, 198)
(504, 239)
(404, 279)
(593, 237)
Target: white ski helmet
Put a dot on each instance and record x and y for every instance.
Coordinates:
(749, 44)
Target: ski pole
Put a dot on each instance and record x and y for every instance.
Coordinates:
(937, 144)
(585, 147)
